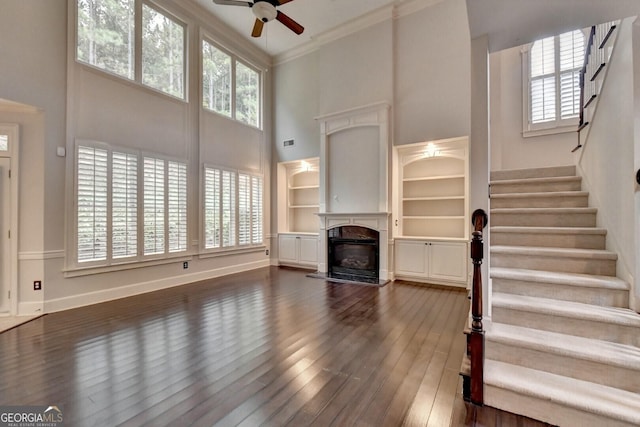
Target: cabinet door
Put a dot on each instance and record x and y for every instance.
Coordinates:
(448, 261)
(308, 249)
(287, 251)
(411, 258)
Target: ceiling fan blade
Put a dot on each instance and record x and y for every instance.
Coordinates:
(233, 2)
(289, 23)
(257, 28)
(281, 2)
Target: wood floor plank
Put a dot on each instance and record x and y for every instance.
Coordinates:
(266, 347)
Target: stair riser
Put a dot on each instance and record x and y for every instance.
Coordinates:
(599, 267)
(519, 219)
(534, 173)
(545, 410)
(597, 296)
(535, 187)
(601, 373)
(541, 202)
(578, 241)
(565, 325)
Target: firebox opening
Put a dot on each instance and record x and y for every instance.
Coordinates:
(353, 254)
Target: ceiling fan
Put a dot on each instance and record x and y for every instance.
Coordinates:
(265, 11)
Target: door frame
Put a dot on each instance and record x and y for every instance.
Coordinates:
(13, 130)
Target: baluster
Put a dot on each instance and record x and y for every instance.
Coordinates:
(475, 338)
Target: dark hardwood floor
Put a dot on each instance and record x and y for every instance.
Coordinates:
(268, 347)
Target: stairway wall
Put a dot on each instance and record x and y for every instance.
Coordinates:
(606, 161)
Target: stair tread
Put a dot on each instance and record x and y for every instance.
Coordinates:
(548, 230)
(565, 170)
(560, 278)
(555, 252)
(540, 194)
(605, 352)
(583, 395)
(544, 210)
(536, 180)
(570, 309)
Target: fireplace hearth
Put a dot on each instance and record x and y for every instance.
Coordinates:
(353, 254)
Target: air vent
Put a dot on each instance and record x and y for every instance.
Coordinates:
(288, 142)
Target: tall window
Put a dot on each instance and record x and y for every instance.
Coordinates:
(233, 209)
(109, 199)
(229, 86)
(553, 95)
(106, 35)
(162, 52)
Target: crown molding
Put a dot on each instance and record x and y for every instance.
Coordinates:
(395, 10)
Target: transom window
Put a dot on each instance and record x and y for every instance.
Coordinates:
(129, 206)
(552, 96)
(106, 38)
(229, 86)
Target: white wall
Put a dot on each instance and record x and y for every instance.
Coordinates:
(509, 149)
(606, 162)
(432, 74)
(72, 101)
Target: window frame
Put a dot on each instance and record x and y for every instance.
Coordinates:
(253, 243)
(140, 256)
(137, 48)
(551, 127)
(234, 60)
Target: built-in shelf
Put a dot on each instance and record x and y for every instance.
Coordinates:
(298, 196)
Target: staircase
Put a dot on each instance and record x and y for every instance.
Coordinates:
(563, 347)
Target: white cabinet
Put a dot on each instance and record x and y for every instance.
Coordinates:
(298, 249)
(439, 262)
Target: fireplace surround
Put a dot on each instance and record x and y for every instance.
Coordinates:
(355, 186)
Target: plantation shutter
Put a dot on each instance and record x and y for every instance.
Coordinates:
(92, 204)
(212, 208)
(543, 81)
(571, 60)
(177, 192)
(228, 209)
(154, 206)
(124, 205)
(244, 209)
(256, 209)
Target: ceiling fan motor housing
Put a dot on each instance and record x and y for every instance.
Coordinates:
(264, 11)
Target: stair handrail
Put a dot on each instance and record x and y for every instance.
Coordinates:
(475, 338)
(596, 57)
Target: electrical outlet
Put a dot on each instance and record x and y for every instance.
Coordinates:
(37, 285)
(267, 252)
(185, 264)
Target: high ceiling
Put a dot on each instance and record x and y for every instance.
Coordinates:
(316, 16)
(507, 23)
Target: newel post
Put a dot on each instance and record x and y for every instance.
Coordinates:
(479, 219)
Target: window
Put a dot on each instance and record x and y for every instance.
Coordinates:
(247, 91)
(229, 86)
(552, 98)
(229, 224)
(162, 52)
(109, 198)
(216, 79)
(106, 35)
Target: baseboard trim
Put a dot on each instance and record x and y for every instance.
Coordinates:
(30, 308)
(76, 301)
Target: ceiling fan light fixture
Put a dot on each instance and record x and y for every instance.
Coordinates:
(264, 11)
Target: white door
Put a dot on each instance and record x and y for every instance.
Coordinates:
(5, 225)
(308, 250)
(287, 249)
(449, 261)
